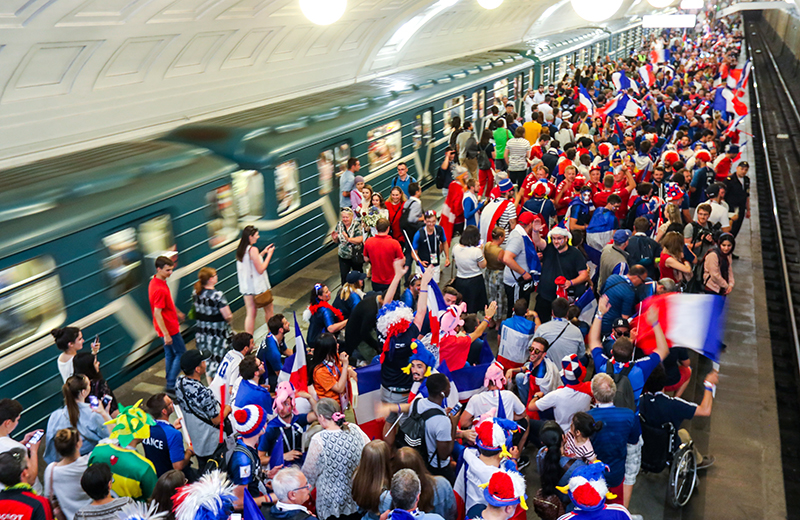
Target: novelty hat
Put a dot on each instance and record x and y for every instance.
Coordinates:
(249, 420)
(131, 423)
(505, 488)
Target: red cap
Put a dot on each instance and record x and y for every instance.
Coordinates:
(526, 218)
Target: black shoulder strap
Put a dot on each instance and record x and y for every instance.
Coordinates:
(431, 413)
(560, 333)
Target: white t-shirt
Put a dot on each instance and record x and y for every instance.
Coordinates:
(565, 403)
(65, 368)
(483, 402)
(538, 97)
(466, 259)
(547, 111)
(67, 485)
(719, 214)
(227, 374)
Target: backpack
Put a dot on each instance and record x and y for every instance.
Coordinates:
(483, 160)
(624, 397)
(413, 430)
(253, 462)
(218, 460)
(631, 215)
(410, 228)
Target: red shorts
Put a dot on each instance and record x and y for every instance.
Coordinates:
(617, 490)
(686, 373)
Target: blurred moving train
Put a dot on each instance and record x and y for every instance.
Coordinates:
(81, 231)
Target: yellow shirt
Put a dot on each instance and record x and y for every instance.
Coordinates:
(532, 131)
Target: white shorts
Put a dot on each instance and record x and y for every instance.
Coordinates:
(633, 462)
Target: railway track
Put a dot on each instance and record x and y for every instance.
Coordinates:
(776, 129)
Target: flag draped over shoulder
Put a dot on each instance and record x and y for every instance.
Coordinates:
(294, 368)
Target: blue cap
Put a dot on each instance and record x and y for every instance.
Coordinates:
(505, 185)
(621, 236)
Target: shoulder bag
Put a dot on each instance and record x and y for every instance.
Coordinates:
(58, 513)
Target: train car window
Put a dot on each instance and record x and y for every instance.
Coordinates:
(385, 144)
(478, 105)
(223, 224)
(341, 154)
(123, 261)
(287, 192)
(452, 108)
(531, 79)
(518, 82)
(155, 237)
(325, 167)
(31, 301)
(423, 129)
(248, 194)
(500, 92)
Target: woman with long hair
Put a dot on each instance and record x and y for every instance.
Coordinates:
(166, 487)
(251, 269)
(62, 479)
(555, 468)
(455, 129)
(470, 262)
(366, 200)
(673, 221)
(718, 267)
(76, 413)
(329, 369)
(672, 265)
(486, 159)
(350, 237)
(395, 206)
(213, 319)
(493, 252)
(69, 340)
(86, 363)
(321, 315)
(373, 479)
(351, 293)
(332, 459)
(436, 495)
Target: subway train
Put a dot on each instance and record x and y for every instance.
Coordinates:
(81, 231)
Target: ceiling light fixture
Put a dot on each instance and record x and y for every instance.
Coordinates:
(596, 10)
(323, 12)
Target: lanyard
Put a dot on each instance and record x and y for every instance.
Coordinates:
(328, 365)
(432, 250)
(283, 432)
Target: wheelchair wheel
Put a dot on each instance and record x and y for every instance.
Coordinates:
(682, 477)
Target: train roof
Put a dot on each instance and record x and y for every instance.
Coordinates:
(548, 47)
(253, 137)
(621, 24)
(51, 198)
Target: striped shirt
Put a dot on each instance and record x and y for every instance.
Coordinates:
(518, 150)
(505, 219)
(585, 451)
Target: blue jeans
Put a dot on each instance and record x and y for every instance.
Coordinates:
(172, 354)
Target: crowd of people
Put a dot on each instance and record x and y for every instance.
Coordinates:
(555, 209)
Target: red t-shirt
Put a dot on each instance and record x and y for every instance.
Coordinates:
(160, 298)
(454, 350)
(394, 220)
(381, 251)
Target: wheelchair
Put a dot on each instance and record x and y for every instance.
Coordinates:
(662, 448)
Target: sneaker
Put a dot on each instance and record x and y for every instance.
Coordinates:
(523, 462)
(706, 462)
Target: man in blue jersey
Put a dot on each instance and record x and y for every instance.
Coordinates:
(164, 448)
(516, 335)
(621, 365)
(273, 349)
(244, 465)
(250, 391)
(287, 426)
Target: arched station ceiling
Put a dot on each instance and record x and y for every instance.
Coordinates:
(79, 73)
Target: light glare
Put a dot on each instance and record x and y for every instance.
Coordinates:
(490, 4)
(323, 12)
(596, 10)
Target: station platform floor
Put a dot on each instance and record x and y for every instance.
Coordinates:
(742, 432)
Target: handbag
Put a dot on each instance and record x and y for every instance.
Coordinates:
(58, 513)
(263, 299)
(548, 507)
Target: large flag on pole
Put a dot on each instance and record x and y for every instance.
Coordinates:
(622, 82)
(693, 321)
(726, 102)
(294, 368)
(621, 104)
(585, 99)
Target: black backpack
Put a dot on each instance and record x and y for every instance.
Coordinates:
(412, 432)
(410, 228)
(624, 397)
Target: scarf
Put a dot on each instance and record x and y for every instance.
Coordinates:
(325, 305)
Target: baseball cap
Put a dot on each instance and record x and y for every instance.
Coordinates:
(525, 218)
(744, 164)
(191, 359)
(621, 236)
(621, 322)
(355, 276)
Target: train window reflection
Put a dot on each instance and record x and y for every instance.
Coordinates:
(286, 187)
(423, 129)
(452, 108)
(325, 167)
(341, 154)
(31, 302)
(155, 236)
(223, 222)
(385, 144)
(500, 93)
(123, 261)
(248, 194)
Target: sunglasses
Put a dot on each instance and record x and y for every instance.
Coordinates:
(536, 351)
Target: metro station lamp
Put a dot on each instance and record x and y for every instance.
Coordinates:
(659, 4)
(490, 4)
(596, 10)
(323, 12)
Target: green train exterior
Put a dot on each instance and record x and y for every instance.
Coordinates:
(81, 231)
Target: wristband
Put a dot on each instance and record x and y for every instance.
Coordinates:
(710, 387)
(598, 315)
(398, 409)
(423, 290)
(486, 320)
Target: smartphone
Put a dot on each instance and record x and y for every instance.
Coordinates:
(236, 516)
(96, 341)
(456, 409)
(94, 402)
(36, 437)
(106, 399)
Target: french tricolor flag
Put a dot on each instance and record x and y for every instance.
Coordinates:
(732, 127)
(436, 306)
(693, 321)
(622, 82)
(660, 56)
(647, 75)
(468, 380)
(726, 102)
(737, 78)
(623, 105)
(585, 100)
(294, 368)
(366, 398)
